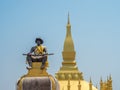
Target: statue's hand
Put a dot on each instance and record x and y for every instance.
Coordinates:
(37, 57)
(29, 54)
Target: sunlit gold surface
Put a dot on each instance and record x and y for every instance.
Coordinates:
(69, 77)
(106, 85)
(35, 71)
(69, 68)
(74, 85)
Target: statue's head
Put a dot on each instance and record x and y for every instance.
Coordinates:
(38, 41)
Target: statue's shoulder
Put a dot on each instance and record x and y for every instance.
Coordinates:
(43, 46)
(34, 47)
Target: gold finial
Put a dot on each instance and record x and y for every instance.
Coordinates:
(110, 82)
(79, 82)
(79, 85)
(101, 84)
(90, 84)
(68, 18)
(96, 86)
(107, 80)
(68, 81)
(110, 77)
(90, 80)
(101, 80)
(68, 84)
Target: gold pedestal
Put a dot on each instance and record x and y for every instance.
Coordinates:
(34, 72)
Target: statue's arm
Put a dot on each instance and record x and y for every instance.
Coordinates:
(32, 50)
(45, 50)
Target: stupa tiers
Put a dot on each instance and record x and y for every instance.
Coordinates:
(37, 79)
(69, 77)
(69, 70)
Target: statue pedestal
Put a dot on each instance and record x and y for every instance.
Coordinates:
(37, 79)
(36, 69)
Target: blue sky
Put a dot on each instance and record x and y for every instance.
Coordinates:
(95, 31)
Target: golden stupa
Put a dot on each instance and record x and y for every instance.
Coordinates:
(69, 77)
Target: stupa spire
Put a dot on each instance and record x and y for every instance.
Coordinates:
(68, 43)
(68, 50)
(68, 18)
(69, 70)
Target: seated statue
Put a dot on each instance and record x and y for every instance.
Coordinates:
(37, 54)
